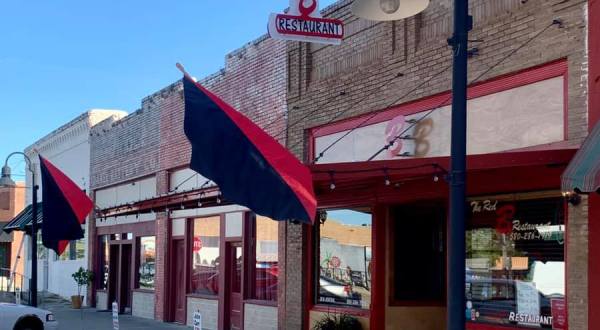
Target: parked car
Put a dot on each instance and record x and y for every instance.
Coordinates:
(21, 317)
(333, 291)
(495, 300)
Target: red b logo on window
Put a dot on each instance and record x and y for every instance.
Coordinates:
(504, 219)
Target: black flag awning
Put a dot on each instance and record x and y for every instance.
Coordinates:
(23, 220)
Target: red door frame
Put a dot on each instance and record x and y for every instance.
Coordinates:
(230, 245)
(173, 280)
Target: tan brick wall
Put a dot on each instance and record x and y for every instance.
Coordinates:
(577, 265)
(331, 83)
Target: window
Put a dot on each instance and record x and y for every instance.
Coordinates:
(104, 261)
(266, 267)
(344, 263)
(42, 250)
(418, 254)
(205, 255)
(147, 262)
(75, 250)
(515, 262)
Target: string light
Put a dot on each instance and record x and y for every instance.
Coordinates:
(332, 184)
(387, 177)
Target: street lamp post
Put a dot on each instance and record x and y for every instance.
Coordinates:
(386, 10)
(6, 181)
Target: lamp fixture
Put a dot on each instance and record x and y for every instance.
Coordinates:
(572, 198)
(388, 10)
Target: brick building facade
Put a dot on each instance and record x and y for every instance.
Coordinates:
(148, 149)
(12, 202)
(309, 97)
(393, 67)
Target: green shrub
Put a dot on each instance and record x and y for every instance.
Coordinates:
(337, 322)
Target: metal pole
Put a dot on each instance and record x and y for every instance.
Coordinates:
(34, 264)
(456, 229)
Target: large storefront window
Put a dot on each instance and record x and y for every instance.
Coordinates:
(104, 261)
(267, 270)
(344, 249)
(205, 255)
(515, 262)
(147, 262)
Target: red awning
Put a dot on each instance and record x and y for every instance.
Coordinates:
(416, 177)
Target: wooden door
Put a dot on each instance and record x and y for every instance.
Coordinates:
(113, 279)
(234, 286)
(178, 282)
(125, 278)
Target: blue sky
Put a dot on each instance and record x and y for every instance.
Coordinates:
(60, 58)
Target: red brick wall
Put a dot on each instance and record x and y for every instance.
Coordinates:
(330, 83)
(151, 141)
(12, 201)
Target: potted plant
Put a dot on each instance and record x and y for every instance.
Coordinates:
(337, 322)
(82, 277)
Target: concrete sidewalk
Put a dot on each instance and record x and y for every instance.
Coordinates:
(91, 319)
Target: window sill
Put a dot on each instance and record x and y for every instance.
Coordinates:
(341, 310)
(261, 302)
(416, 303)
(485, 326)
(143, 291)
(202, 296)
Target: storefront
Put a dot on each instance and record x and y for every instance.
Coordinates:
(125, 264)
(224, 265)
(379, 252)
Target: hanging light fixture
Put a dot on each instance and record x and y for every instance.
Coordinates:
(388, 10)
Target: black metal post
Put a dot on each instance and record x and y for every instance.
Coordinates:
(34, 264)
(456, 308)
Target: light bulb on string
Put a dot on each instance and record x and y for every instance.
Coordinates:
(332, 184)
(387, 177)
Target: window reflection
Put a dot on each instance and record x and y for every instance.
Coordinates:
(103, 257)
(515, 262)
(147, 262)
(267, 268)
(345, 258)
(205, 256)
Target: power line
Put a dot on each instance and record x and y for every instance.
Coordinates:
(374, 114)
(397, 137)
(319, 107)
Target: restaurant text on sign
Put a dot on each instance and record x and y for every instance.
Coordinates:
(303, 22)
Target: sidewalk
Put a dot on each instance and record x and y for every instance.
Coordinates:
(71, 319)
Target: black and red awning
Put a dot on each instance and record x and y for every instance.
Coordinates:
(250, 167)
(583, 173)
